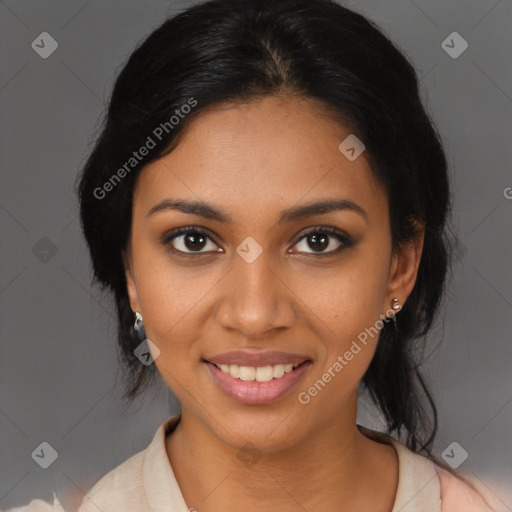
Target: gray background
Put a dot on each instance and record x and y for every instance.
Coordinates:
(58, 355)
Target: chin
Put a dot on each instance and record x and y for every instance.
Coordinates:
(270, 430)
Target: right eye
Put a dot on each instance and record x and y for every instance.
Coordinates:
(189, 240)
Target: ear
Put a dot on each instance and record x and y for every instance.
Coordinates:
(131, 287)
(404, 268)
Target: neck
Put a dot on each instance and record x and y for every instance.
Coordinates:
(333, 465)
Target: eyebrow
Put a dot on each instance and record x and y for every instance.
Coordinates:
(292, 214)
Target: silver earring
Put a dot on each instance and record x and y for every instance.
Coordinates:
(138, 321)
(396, 306)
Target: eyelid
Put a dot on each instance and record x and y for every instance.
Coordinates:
(169, 235)
(330, 230)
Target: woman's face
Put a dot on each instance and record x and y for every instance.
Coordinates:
(254, 281)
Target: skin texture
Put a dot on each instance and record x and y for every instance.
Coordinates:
(253, 160)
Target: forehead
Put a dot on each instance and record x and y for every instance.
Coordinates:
(260, 157)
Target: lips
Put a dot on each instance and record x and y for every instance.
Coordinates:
(252, 392)
(260, 358)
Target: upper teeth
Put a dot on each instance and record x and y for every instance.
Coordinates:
(259, 373)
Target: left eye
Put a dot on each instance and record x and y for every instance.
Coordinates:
(320, 239)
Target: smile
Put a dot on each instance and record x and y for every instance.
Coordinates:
(257, 385)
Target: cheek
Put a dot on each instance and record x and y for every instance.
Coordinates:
(348, 346)
(168, 287)
(348, 298)
(344, 308)
(170, 297)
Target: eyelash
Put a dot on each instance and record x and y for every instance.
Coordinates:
(345, 240)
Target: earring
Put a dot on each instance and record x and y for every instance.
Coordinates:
(396, 306)
(138, 321)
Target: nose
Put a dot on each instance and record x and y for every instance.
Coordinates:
(255, 300)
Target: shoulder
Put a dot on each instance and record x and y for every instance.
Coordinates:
(457, 495)
(425, 486)
(120, 485)
(33, 506)
(139, 482)
(39, 506)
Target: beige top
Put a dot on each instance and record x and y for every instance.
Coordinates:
(145, 482)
